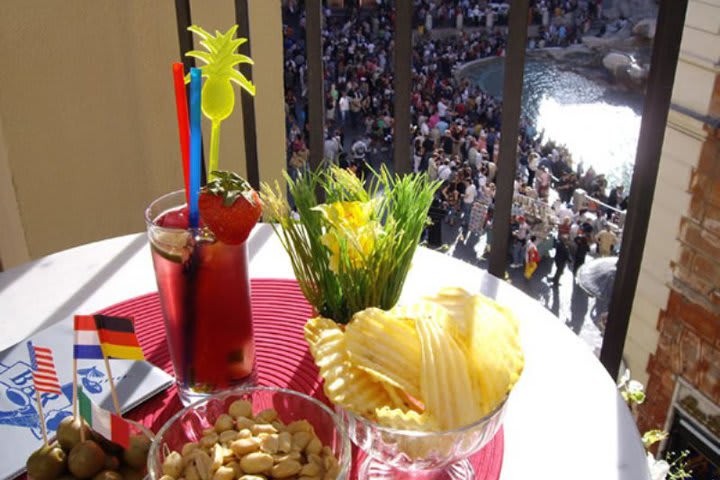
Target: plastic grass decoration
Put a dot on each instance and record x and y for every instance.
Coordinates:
(218, 96)
(353, 251)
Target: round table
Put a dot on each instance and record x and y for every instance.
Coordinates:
(565, 418)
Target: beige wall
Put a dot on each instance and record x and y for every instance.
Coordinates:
(267, 48)
(684, 136)
(87, 117)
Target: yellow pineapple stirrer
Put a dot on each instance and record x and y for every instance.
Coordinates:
(218, 97)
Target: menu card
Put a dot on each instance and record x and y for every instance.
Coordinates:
(135, 382)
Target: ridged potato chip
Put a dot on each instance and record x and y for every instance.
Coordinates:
(405, 420)
(344, 384)
(441, 363)
(387, 347)
(490, 333)
(445, 380)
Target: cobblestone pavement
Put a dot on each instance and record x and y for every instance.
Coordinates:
(568, 302)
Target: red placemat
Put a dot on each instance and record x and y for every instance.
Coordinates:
(283, 359)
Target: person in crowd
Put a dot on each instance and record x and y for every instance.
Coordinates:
(564, 227)
(344, 107)
(469, 197)
(615, 198)
(451, 202)
(606, 241)
(532, 257)
(562, 255)
(331, 149)
(582, 247)
(532, 167)
(359, 153)
(520, 234)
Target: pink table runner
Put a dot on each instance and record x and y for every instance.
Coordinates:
(283, 359)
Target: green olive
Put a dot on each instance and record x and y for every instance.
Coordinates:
(68, 432)
(136, 454)
(108, 475)
(86, 459)
(47, 463)
(111, 462)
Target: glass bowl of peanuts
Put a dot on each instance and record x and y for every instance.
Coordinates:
(252, 433)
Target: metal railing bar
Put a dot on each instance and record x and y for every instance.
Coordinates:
(512, 103)
(185, 41)
(315, 87)
(402, 86)
(252, 168)
(670, 23)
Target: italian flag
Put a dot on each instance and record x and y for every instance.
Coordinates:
(105, 423)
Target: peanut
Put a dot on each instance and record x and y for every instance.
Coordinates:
(314, 446)
(269, 443)
(284, 442)
(299, 426)
(224, 422)
(240, 408)
(242, 423)
(300, 440)
(188, 448)
(228, 436)
(173, 465)
(259, 428)
(267, 415)
(286, 469)
(256, 462)
(244, 446)
(209, 440)
(311, 470)
(224, 473)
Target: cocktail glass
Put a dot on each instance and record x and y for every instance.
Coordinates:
(205, 295)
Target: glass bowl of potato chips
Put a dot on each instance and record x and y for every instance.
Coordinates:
(252, 433)
(422, 386)
(393, 453)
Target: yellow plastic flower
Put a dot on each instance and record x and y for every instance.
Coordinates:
(347, 215)
(351, 221)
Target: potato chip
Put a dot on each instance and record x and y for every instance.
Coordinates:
(459, 304)
(445, 377)
(441, 363)
(490, 333)
(405, 419)
(496, 349)
(344, 384)
(387, 347)
(427, 309)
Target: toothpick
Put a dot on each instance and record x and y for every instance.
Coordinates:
(75, 402)
(42, 417)
(75, 389)
(116, 403)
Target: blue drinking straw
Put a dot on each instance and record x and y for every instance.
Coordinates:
(195, 145)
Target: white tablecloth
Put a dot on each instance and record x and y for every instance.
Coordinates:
(565, 418)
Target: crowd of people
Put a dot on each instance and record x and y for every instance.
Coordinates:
(357, 52)
(456, 125)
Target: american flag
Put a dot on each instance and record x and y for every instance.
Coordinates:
(43, 369)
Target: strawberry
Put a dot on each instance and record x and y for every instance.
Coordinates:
(229, 207)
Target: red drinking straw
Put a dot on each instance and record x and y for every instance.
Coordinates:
(183, 122)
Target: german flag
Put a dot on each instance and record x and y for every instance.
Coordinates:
(117, 338)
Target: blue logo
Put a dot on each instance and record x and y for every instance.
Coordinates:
(17, 397)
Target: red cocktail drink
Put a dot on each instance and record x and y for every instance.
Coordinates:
(205, 294)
